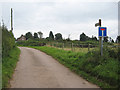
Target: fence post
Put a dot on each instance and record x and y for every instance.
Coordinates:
(72, 47)
(63, 46)
(88, 47)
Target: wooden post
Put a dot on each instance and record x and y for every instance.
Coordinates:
(100, 39)
(63, 46)
(72, 46)
(11, 20)
(88, 47)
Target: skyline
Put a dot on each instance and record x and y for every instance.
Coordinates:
(62, 17)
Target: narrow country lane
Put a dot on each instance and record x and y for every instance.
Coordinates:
(36, 69)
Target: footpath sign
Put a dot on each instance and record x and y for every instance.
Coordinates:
(102, 32)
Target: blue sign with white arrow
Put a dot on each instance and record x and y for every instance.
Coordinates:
(102, 32)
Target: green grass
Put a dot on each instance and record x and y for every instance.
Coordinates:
(102, 71)
(8, 66)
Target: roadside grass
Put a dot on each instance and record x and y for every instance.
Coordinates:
(102, 71)
(8, 66)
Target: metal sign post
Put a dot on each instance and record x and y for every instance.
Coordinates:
(102, 45)
(102, 34)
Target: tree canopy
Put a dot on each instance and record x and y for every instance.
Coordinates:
(28, 35)
(118, 39)
(35, 35)
(58, 36)
(51, 36)
(40, 34)
(83, 37)
(105, 39)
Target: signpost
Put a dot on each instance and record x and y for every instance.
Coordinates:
(102, 32)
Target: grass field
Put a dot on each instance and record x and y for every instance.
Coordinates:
(75, 49)
(102, 71)
(8, 66)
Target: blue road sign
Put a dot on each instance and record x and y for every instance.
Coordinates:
(102, 32)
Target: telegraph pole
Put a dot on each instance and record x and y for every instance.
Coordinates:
(11, 19)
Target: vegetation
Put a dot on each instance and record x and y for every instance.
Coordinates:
(118, 39)
(10, 55)
(40, 34)
(28, 35)
(51, 36)
(35, 35)
(8, 66)
(31, 43)
(102, 71)
(7, 39)
(83, 37)
(58, 36)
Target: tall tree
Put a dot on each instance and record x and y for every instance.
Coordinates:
(51, 36)
(40, 34)
(28, 35)
(83, 37)
(35, 35)
(58, 36)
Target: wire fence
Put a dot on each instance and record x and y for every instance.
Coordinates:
(78, 47)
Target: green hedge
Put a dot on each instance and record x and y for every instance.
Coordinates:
(31, 43)
(8, 41)
(10, 55)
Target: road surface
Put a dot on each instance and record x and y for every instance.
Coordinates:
(36, 69)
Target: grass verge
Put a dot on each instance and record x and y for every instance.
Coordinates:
(8, 66)
(102, 71)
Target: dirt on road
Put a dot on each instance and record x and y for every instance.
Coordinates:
(36, 69)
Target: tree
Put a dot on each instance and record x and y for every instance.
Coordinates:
(40, 34)
(112, 41)
(94, 38)
(47, 38)
(68, 39)
(118, 39)
(105, 39)
(28, 35)
(8, 41)
(51, 36)
(58, 36)
(83, 37)
(35, 35)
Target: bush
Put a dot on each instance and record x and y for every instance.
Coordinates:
(8, 41)
(31, 43)
(10, 55)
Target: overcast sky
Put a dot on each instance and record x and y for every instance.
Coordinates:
(65, 17)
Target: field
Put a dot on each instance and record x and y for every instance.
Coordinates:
(75, 49)
(102, 71)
